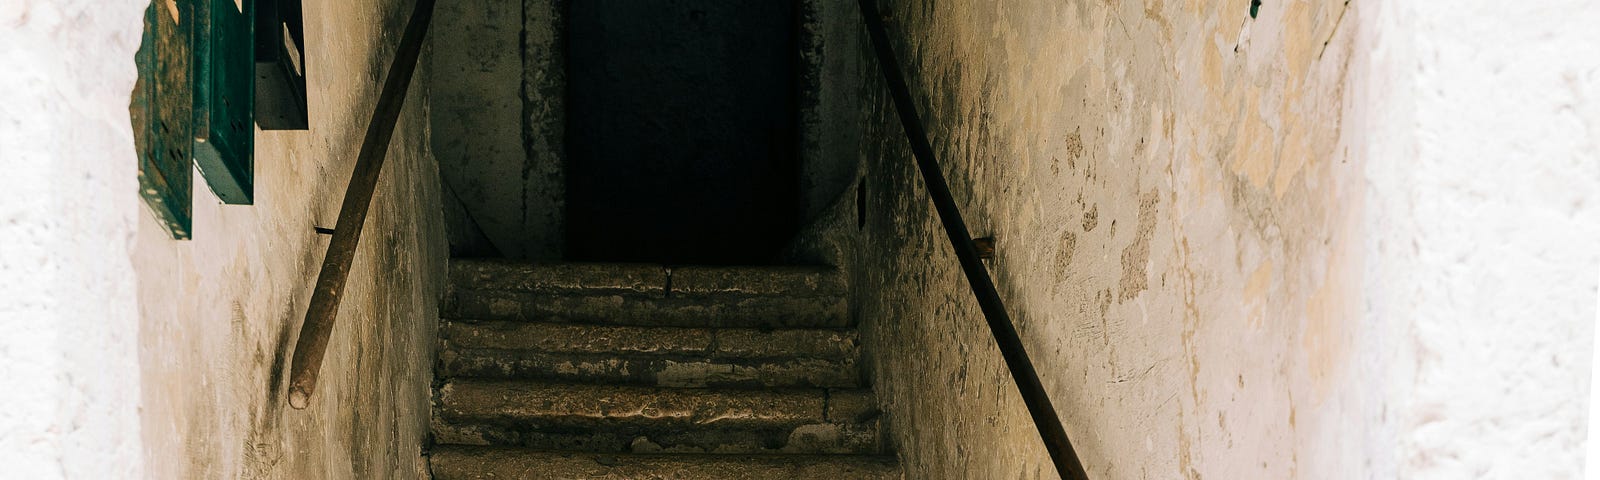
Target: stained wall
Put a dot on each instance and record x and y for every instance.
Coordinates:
(1327, 240)
(1177, 217)
(219, 314)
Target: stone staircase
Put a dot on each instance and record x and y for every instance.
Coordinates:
(628, 371)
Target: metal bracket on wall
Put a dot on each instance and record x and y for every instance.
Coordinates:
(985, 246)
(280, 65)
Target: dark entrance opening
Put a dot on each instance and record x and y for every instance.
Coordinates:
(681, 130)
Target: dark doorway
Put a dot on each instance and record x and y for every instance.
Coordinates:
(680, 130)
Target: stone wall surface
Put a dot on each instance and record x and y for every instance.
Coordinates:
(1177, 219)
(220, 313)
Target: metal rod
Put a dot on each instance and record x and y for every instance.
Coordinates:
(1005, 334)
(324, 309)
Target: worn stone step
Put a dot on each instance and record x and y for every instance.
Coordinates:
(586, 278)
(640, 294)
(662, 356)
(617, 418)
(618, 309)
(651, 370)
(649, 279)
(499, 463)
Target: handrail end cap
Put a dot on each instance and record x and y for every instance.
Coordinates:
(299, 399)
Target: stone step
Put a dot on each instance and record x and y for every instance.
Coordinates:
(483, 463)
(598, 278)
(642, 294)
(661, 356)
(618, 418)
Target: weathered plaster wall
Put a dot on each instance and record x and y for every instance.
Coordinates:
(220, 313)
(499, 117)
(1335, 241)
(1178, 239)
(135, 356)
(68, 310)
(1483, 217)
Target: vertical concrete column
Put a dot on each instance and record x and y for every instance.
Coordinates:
(544, 114)
(831, 93)
(497, 122)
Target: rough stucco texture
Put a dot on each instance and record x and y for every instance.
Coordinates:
(1483, 214)
(219, 313)
(1177, 239)
(67, 214)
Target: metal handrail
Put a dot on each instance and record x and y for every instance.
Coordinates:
(324, 308)
(1005, 334)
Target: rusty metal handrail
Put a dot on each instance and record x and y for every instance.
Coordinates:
(322, 313)
(994, 311)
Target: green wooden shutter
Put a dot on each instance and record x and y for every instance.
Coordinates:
(162, 114)
(224, 97)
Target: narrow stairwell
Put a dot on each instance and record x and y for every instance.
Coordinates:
(628, 371)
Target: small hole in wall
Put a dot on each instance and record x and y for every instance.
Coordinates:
(1255, 7)
(861, 204)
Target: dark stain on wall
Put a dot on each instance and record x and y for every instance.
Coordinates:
(1068, 246)
(1137, 254)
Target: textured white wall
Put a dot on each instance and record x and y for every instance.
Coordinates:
(68, 353)
(1483, 216)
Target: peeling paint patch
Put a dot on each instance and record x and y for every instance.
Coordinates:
(1074, 149)
(1136, 256)
(1069, 245)
(1254, 146)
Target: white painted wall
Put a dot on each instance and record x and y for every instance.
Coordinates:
(1592, 460)
(68, 353)
(1483, 222)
